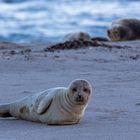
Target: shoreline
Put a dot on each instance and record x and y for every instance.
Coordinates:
(128, 49)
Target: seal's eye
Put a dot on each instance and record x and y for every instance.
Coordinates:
(116, 32)
(85, 90)
(74, 89)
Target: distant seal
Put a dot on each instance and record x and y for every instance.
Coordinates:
(60, 106)
(124, 29)
(77, 36)
(82, 36)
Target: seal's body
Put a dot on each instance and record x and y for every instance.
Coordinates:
(54, 106)
(125, 29)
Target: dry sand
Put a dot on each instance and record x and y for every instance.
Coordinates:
(113, 113)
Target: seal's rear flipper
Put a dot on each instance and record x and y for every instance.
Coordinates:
(4, 111)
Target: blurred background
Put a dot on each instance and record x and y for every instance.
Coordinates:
(40, 21)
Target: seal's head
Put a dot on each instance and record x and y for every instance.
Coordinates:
(119, 33)
(83, 36)
(80, 91)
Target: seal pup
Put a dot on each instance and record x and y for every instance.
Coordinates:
(124, 29)
(59, 106)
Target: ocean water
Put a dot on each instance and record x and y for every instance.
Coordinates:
(40, 21)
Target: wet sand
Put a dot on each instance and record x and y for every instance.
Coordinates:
(113, 113)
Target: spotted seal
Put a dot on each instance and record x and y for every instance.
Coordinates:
(59, 106)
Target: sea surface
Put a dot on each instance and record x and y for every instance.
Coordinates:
(40, 21)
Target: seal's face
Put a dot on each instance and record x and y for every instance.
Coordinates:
(80, 91)
(119, 33)
(114, 34)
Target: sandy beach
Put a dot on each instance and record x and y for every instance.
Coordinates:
(113, 112)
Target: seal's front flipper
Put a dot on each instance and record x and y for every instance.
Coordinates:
(4, 111)
(44, 104)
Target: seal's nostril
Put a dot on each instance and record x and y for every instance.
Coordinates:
(108, 32)
(80, 96)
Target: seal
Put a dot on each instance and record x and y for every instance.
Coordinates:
(77, 36)
(124, 29)
(55, 106)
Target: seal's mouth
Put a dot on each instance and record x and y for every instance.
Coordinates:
(79, 99)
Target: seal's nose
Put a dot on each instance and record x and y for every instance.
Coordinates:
(79, 96)
(108, 32)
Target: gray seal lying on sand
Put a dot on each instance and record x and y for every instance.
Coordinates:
(77, 36)
(125, 29)
(61, 105)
